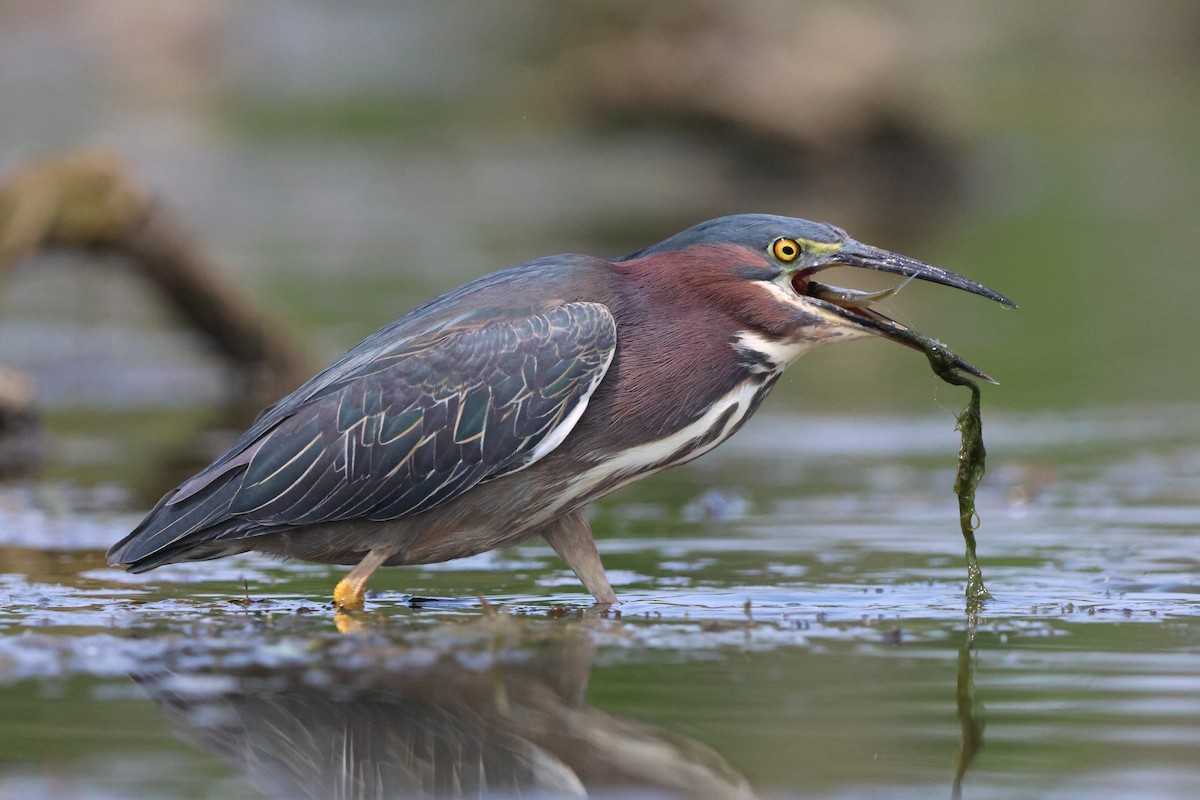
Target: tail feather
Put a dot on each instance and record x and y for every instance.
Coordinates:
(193, 551)
(171, 530)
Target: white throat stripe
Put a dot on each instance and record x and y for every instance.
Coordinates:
(778, 353)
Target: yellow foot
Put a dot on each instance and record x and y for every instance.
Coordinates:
(349, 595)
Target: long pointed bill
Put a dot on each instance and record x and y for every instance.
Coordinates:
(857, 254)
(854, 307)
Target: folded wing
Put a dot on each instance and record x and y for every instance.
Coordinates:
(395, 433)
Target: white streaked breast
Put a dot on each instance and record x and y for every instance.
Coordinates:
(643, 459)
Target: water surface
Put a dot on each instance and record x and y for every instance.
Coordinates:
(793, 625)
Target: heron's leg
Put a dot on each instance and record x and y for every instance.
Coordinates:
(571, 538)
(349, 593)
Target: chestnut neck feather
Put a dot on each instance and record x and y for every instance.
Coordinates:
(676, 313)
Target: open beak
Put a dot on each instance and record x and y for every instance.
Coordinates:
(855, 307)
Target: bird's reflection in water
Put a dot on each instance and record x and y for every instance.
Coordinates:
(416, 722)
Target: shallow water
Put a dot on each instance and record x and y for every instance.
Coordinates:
(793, 625)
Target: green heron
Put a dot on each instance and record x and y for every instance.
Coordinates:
(498, 411)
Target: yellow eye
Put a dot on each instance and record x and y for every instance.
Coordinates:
(786, 250)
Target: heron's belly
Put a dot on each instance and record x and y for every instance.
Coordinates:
(486, 517)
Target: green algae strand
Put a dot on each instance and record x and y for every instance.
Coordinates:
(971, 460)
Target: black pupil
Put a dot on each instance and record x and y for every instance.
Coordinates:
(787, 250)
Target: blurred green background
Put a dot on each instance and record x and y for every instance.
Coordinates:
(345, 162)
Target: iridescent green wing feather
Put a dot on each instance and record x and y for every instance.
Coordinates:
(397, 434)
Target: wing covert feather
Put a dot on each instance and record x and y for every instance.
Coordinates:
(410, 432)
(401, 433)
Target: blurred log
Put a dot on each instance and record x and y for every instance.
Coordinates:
(19, 424)
(88, 200)
(821, 105)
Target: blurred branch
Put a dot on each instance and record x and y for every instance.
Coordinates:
(88, 200)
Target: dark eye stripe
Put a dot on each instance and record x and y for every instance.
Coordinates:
(754, 272)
